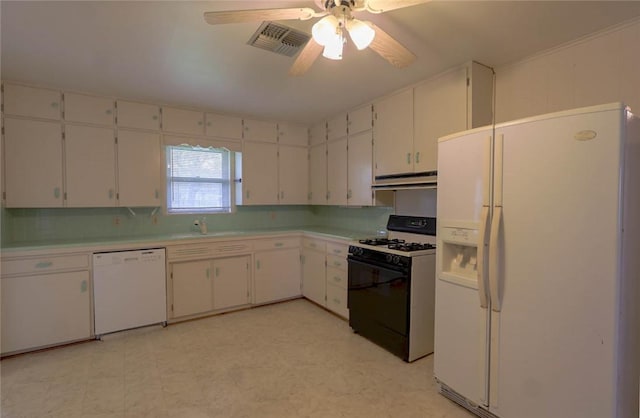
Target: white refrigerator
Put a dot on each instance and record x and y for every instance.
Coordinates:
(538, 267)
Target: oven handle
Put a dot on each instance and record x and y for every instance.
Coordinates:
(390, 267)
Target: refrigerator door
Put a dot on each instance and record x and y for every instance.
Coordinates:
(555, 272)
(461, 333)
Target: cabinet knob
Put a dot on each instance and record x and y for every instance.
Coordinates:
(108, 111)
(418, 157)
(83, 286)
(199, 123)
(54, 105)
(56, 192)
(154, 117)
(110, 193)
(408, 158)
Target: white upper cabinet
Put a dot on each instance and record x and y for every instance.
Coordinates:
(360, 119)
(293, 134)
(259, 174)
(318, 174)
(90, 166)
(360, 173)
(32, 102)
(33, 163)
(393, 133)
(88, 109)
(337, 127)
(318, 133)
(293, 175)
(337, 172)
(182, 121)
(139, 168)
(138, 115)
(260, 130)
(223, 126)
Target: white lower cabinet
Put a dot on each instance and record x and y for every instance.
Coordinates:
(231, 282)
(313, 270)
(203, 286)
(47, 308)
(324, 274)
(277, 274)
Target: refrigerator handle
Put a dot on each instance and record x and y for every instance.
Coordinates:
(482, 277)
(496, 304)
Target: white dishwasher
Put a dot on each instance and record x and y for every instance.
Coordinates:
(129, 289)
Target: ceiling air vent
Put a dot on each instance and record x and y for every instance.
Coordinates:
(278, 38)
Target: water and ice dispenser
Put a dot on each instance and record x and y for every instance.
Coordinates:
(459, 255)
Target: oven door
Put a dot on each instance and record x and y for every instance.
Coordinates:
(378, 302)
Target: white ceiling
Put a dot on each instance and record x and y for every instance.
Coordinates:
(165, 52)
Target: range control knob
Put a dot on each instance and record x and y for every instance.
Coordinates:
(396, 259)
(389, 258)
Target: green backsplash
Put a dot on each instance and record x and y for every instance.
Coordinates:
(42, 225)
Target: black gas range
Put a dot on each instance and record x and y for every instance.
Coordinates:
(391, 287)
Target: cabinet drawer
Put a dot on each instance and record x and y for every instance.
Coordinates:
(45, 264)
(274, 244)
(337, 262)
(337, 249)
(31, 101)
(314, 244)
(183, 252)
(231, 247)
(337, 277)
(88, 109)
(337, 300)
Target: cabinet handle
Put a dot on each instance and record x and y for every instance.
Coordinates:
(110, 193)
(108, 111)
(282, 195)
(336, 301)
(258, 264)
(83, 286)
(157, 194)
(408, 158)
(349, 194)
(336, 251)
(247, 194)
(55, 104)
(337, 263)
(154, 117)
(208, 273)
(199, 123)
(278, 244)
(337, 279)
(328, 195)
(44, 264)
(418, 157)
(56, 192)
(217, 271)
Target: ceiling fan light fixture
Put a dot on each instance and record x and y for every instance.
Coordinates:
(333, 49)
(325, 30)
(361, 33)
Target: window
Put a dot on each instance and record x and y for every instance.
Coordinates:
(198, 180)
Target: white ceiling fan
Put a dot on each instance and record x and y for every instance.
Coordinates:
(329, 33)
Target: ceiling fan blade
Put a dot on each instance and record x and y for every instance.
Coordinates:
(258, 15)
(306, 57)
(381, 6)
(390, 49)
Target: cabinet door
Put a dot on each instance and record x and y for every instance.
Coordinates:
(230, 282)
(139, 167)
(293, 175)
(313, 276)
(293, 134)
(393, 133)
(90, 166)
(360, 176)
(260, 130)
(440, 108)
(259, 173)
(32, 102)
(337, 127)
(360, 119)
(33, 163)
(45, 309)
(191, 282)
(318, 134)
(223, 126)
(88, 109)
(318, 174)
(138, 115)
(277, 275)
(182, 121)
(337, 172)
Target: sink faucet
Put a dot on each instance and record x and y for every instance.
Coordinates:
(202, 224)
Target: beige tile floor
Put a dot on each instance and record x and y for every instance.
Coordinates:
(291, 359)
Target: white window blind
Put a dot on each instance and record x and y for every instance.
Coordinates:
(198, 180)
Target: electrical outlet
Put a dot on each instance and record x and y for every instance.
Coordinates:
(116, 220)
